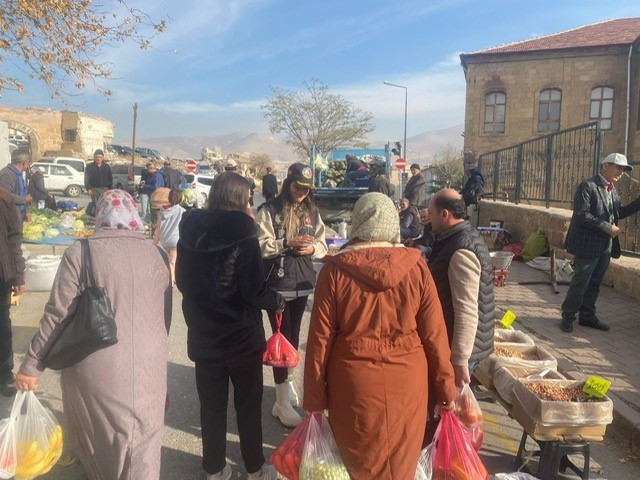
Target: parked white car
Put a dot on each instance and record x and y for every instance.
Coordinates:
(126, 177)
(62, 178)
(202, 185)
(76, 163)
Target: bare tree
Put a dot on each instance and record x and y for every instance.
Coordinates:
(315, 117)
(259, 162)
(448, 168)
(59, 41)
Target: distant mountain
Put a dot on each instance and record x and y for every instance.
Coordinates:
(421, 147)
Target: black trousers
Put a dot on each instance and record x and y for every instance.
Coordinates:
(290, 328)
(6, 348)
(213, 389)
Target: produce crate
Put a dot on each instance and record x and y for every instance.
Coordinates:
(556, 433)
(505, 379)
(564, 413)
(539, 360)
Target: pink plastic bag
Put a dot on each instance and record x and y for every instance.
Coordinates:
(455, 458)
(279, 352)
(288, 456)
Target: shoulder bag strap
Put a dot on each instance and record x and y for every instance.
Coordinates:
(87, 270)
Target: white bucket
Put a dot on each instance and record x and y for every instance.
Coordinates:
(501, 260)
(40, 272)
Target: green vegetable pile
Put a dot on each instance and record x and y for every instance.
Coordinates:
(335, 176)
(322, 471)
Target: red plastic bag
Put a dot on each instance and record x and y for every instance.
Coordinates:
(288, 456)
(455, 458)
(470, 416)
(279, 352)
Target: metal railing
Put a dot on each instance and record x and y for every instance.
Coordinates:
(548, 169)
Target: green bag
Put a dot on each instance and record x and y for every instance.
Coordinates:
(537, 246)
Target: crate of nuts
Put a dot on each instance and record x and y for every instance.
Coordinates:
(561, 402)
(533, 358)
(505, 379)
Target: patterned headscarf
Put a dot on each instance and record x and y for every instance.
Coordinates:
(116, 209)
(375, 219)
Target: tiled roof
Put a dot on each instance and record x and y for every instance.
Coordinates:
(622, 31)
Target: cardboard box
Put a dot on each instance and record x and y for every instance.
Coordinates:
(549, 412)
(505, 379)
(556, 433)
(542, 360)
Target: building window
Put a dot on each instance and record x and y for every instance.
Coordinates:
(549, 110)
(70, 135)
(602, 106)
(495, 105)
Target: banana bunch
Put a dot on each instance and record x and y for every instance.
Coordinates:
(34, 461)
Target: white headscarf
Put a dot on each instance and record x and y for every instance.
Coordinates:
(117, 209)
(375, 219)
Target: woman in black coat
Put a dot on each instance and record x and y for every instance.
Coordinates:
(220, 273)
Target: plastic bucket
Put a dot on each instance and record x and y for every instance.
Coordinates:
(40, 272)
(501, 260)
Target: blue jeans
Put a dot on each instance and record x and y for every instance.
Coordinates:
(146, 207)
(584, 289)
(354, 175)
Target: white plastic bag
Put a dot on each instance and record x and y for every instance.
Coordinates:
(425, 463)
(320, 458)
(8, 439)
(513, 476)
(39, 439)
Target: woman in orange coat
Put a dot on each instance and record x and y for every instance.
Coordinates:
(377, 339)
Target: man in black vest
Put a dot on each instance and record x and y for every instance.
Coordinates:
(463, 274)
(410, 226)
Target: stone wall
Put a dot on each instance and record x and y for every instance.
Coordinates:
(46, 130)
(522, 76)
(523, 220)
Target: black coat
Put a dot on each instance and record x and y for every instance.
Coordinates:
(98, 176)
(269, 186)
(220, 274)
(590, 228)
(36, 186)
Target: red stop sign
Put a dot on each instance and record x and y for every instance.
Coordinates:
(401, 163)
(191, 165)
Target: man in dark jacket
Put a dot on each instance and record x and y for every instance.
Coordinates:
(11, 279)
(356, 168)
(427, 239)
(97, 177)
(463, 273)
(414, 190)
(381, 184)
(269, 185)
(13, 181)
(593, 239)
(172, 177)
(410, 227)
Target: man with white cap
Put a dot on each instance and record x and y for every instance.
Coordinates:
(593, 239)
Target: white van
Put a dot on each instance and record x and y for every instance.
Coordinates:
(76, 163)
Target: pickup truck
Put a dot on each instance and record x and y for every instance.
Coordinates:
(334, 201)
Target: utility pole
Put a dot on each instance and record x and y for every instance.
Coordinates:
(133, 142)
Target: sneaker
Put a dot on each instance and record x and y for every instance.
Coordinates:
(594, 323)
(267, 472)
(225, 474)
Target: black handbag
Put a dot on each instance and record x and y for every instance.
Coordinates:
(90, 328)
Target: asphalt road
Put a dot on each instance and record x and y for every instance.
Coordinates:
(182, 448)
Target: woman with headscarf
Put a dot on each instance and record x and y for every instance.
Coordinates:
(291, 236)
(114, 399)
(473, 187)
(377, 341)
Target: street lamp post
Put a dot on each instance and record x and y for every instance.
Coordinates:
(405, 123)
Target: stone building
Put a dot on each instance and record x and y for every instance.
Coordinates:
(534, 87)
(65, 132)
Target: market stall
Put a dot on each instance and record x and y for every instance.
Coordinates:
(560, 416)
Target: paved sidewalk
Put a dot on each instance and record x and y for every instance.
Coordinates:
(612, 355)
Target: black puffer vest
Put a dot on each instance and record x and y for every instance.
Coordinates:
(290, 272)
(464, 236)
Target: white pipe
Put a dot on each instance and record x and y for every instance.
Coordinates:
(626, 130)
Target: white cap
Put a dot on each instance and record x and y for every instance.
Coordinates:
(617, 159)
(231, 163)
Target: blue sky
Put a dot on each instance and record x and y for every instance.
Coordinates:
(210, 71)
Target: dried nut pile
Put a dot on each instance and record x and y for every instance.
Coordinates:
(559, 394)
(503, 352)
